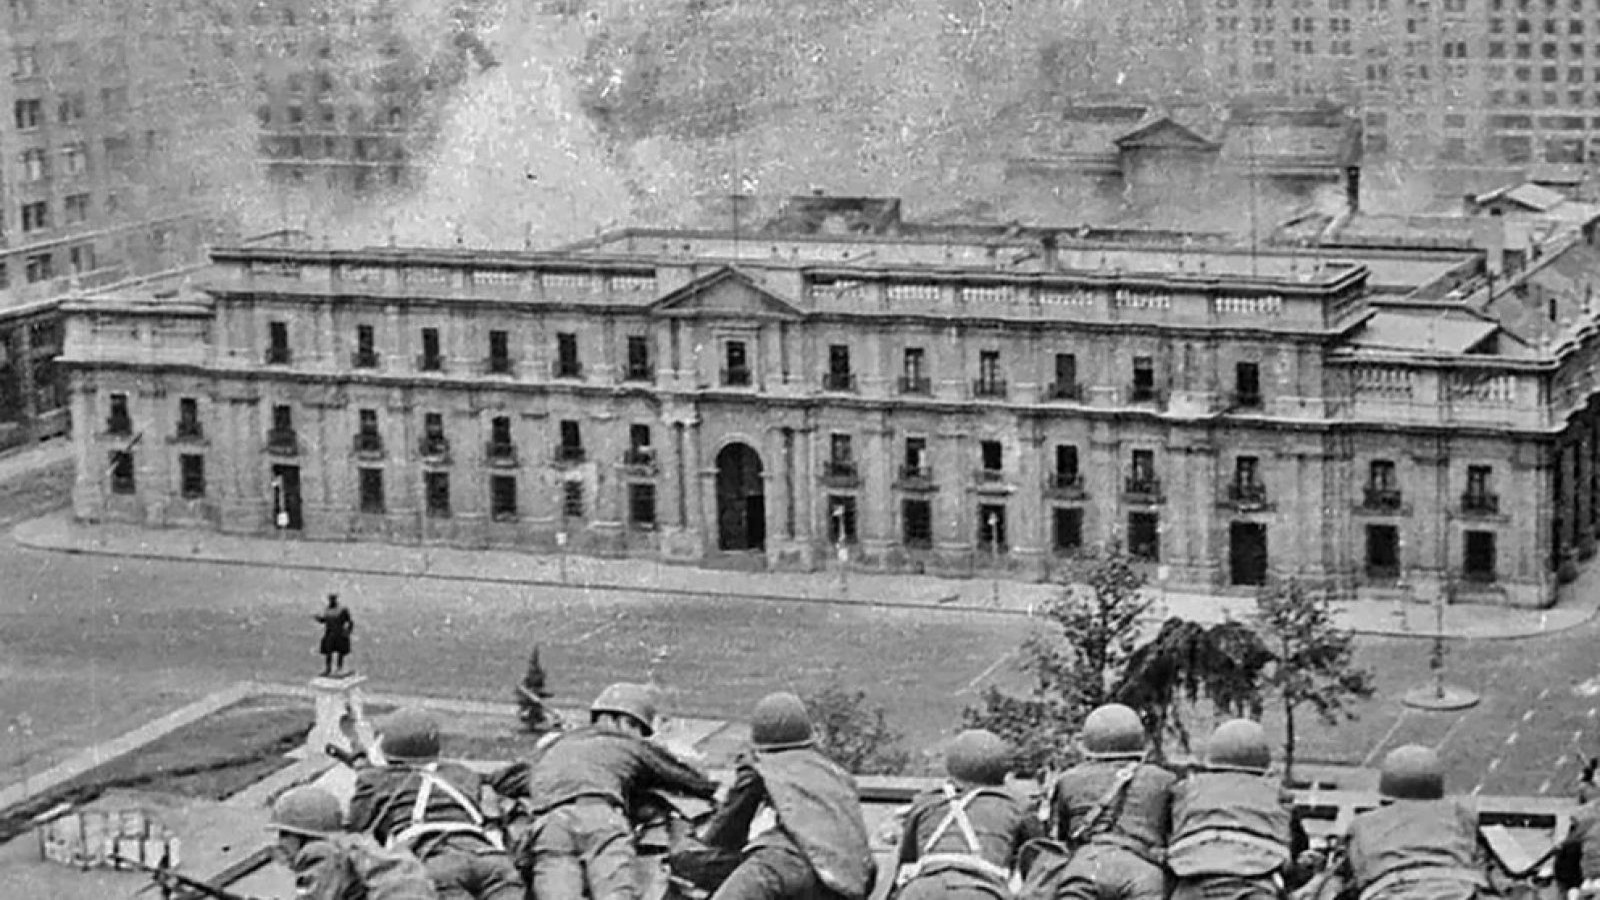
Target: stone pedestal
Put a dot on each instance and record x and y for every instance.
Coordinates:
(337, 698)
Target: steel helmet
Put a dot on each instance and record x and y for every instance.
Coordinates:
(308, 811)
(410, 736)
(1238, 745)
(781, 722)
(979, 757)
(1112, 731)
(1412, 772)
(636, 701)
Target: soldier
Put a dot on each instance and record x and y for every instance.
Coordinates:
(331, 865)
(431, 808)
(581, 790)
(794, 813)
(1232, 829)
(1577, 859)
(1418, 845)
(961, 841)
(1114, 811)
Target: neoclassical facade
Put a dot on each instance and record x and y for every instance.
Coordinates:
(785, 401)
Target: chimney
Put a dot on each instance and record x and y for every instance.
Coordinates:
(1047, 248)
(1489, 234)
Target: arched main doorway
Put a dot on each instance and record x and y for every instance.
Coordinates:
(741, 503)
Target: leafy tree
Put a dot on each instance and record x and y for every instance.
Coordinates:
(1313, 664)
(1186, 661)
(853, 735)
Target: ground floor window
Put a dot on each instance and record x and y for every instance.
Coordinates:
(1383, 552)
(992, 528)
(1144, 536)
(1478, 558)
(438, 490)
(503, 497)
(842, 519)
(122, 472)
(1067, 535)
(192, 471)
(642, 506)
(1247, 553)
(371, 487)
(572, 499)
(916, 523)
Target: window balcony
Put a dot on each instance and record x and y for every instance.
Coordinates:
(426, 363)
(434, 447)
(499, 365)
(119, 426)
(989, 388)
(1142, 487)
(569, 454)
(364, 359)
(283, 442)
(916, 476)
(989, 478)
(500, 454)
(570, 368)
(189, 433)
(840, 472)
(639, 373)
(1480, 503)
(839, 381)
(278, 356)
(1059, 390)
(922, 387)
(1247, 401)
(1144, 394)
(738, 376)
(1065, 484)
(1247, 495)
(640, 458)
(368, 445)
(1376, 499)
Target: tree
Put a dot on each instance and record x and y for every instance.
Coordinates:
(531, 695)
(853, 735)
(1313, 664)
(1186, 661)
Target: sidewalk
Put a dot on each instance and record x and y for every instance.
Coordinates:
(59, 532)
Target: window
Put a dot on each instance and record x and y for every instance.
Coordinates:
(371, 488)
(913, 377)
(1383, 489)
(992, 454)
(1066, 471)
(438, 490)
(368, 439)
(434, 442)
(81, 258)
(122, 472)
(916, 523)
(839, 377)
(916, 464)
(990, 383)
(189, 418)
(1144, 379)
(34, 167)
(638, 357)
(1383, 552)
(283, 420)
(192, 476)
(1246, 470)
(567, 365)
(842, 519)
(76, 208)
(1247, 384)
(1142, 476)
(571, 448)
(499, 353)
(74, 160)
(502, 497)
(572, 499)
(35, 216)
(1478, 497)
(841, 459)
(500, 431)
(119, 422)
(365, 356)
(992, 528)
(69, 108)
(277, 342)
(1065, 387)
(39, 267)
(431, 360)
(642, 506)
(1478, 556)
(27, 114)
(1066, 534)
(1144, 536)
(737, 370)
(639, 452)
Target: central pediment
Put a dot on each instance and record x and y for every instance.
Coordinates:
(725, 293)
(1164, 134)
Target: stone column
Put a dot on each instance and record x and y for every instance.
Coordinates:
(874, 517)
(952, 467)
(805, 496)
(1028, 540)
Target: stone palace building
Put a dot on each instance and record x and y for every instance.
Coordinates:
(908, 403)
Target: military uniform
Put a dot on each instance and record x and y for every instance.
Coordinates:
(1420, 845)
(331, 865)
(1583, 843)
(795, 814)
(1232, 829)
(580, 790)
(1118, 847)
(962, 841)
(431, 809)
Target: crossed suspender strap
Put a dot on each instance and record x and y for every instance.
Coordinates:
(420, 827)
(972, 860)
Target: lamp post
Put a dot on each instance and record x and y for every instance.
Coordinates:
(1404, 595)
(994, 550)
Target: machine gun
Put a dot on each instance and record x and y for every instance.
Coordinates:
(174, 886)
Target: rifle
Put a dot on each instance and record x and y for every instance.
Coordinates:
(1313, 889)
(175, 884)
